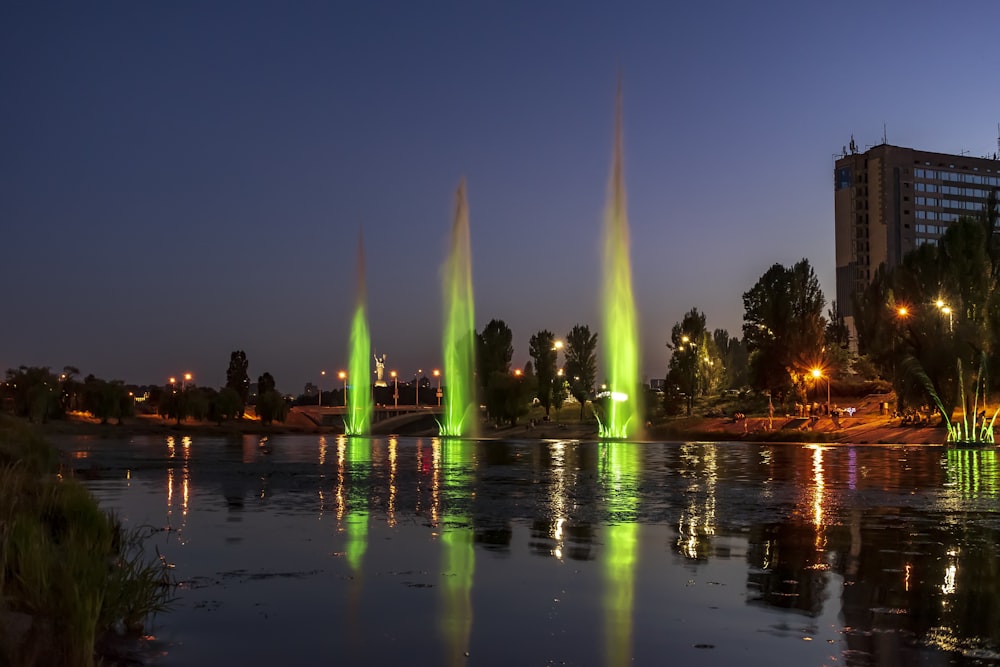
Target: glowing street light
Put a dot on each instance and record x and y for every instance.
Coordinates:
(319, 401)
(437, 374)
(944, 308)
(395, 388)
(343, 376)
(416, 387)
(685, 340)
(818, 374)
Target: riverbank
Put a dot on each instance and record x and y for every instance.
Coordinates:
(866, 426)
(72, 579)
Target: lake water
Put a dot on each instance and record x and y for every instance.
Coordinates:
(304, 549)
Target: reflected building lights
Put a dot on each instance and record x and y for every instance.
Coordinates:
(339, 497)
(948, 587)
(558, 495)
(391, 518)
(697, 521)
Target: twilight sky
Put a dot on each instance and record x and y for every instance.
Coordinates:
(182, 179)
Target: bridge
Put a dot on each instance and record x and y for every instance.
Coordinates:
(386, 419)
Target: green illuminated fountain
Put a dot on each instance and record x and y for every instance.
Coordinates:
(358, 419)
(621, 417)
(458, 343)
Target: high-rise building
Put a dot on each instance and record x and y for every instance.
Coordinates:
(889, 199)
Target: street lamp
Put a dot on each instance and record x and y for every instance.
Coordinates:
(818, 374)
(416, 387)
(944, 308)
(319, 401)
(437, 374)
(692, 362)
(395, 388)
(343, 376)
(187, 378)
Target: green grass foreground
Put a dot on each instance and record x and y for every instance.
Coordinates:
(70, 575)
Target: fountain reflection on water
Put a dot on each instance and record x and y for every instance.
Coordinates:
(872, 552)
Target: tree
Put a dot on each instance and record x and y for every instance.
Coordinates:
(734, 358)
(271, 407)
(783, 328)
(224, 405)
(34, 392)
(69, 388)
(494, 351)
(542, 348)
(581, 363)
(934, 319)
(508, 395)
(265, 383)
(107, 400)
(696, 366)
(237, 378)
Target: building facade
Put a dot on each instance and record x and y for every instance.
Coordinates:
(889, 199)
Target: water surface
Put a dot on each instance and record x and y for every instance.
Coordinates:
(304, 549)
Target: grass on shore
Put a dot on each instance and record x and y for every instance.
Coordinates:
(68, 570)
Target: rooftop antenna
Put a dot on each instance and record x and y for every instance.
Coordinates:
(998, 137)
(884, 139)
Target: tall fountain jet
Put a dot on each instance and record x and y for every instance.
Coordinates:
(358, 419)
(458, 343)
(621, 419)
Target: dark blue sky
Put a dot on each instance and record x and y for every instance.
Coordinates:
(179, 180)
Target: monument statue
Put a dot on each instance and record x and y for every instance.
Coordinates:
(380, 371)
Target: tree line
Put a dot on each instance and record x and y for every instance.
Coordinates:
(38, 394)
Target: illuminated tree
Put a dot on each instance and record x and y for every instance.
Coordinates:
(581, 363)
(783, 327)
(237, 377)
(542, 348)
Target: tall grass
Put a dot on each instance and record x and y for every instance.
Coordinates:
(71, 567)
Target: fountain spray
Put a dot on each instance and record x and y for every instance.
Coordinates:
(358, 419)
(621, 350)
(458, 343)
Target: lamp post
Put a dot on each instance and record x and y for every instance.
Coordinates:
(692, 362)
(343, 376)
(416, 387)
(187, 378)
(437, 374)
(944, 308)
(818, 374)
(319, 401)
(395, 388)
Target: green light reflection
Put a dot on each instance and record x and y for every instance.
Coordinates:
(457, 460)
(356, 523)
(619, 469)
